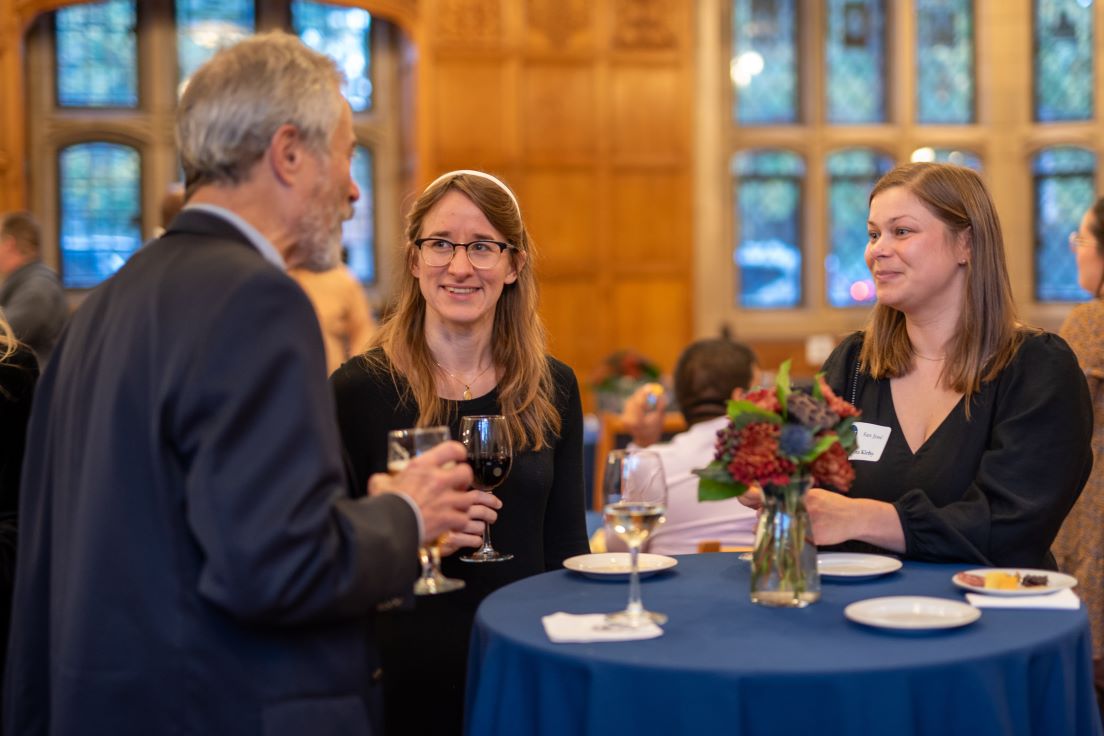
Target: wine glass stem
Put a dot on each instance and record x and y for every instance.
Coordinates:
(424, 556)
(635, 607)
(486, 539)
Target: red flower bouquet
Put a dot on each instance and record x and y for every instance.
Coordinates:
(777, 435)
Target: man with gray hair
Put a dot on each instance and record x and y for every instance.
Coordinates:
(31, 298)
(190, 558)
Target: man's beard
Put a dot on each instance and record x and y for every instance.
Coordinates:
(319, 246)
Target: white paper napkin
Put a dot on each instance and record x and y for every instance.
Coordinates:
(1064, 599)
(569, 627)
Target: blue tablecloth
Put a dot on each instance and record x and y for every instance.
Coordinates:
(727, 666)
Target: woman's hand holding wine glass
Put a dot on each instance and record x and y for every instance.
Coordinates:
(490, 454)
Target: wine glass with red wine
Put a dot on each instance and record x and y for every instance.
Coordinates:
(490, 455)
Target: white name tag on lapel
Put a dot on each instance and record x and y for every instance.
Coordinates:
(870, 442)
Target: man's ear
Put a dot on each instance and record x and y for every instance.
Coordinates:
(286, 153)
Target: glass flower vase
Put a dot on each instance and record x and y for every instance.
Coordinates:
(784, 561)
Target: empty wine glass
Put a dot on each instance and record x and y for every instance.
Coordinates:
(635, 503)
(490, 455)
(402, 445)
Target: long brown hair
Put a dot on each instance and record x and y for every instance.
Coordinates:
(518, 340)
(988, 333)
(8, 343)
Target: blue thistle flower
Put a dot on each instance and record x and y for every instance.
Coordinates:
(795, 440)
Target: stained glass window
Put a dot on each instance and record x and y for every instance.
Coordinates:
(359, 236)
(947, 156)
(205, 26)
(852, 173)
(768, 227)
(100, 211)
(1063, 60)
(1064, 189)
(855, 53)
(96, 47)
(342, 33)
(945, 61)
(764, 61)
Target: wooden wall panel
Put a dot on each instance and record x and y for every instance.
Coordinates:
(647, 312)
(567, 234)
(646, 131)
(465, 117)
(649, 225)
(578, 319)
(552, 130)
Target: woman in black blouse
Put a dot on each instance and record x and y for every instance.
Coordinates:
(18, 375)
(975, 431)
(466, 339)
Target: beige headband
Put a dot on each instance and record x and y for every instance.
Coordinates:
(481, 174)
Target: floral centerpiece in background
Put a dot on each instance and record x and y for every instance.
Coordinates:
(619, 375)
(784, 440)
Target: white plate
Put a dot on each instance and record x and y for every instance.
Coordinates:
(1055, 581)
(854, 565)
(615, 565)
(913, 613)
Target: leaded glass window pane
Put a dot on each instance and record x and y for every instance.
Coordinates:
(359, 235)
(945, 61)
(205, 26)
(768, 227)
(341, 33)
(852, 173)
(1064, 189)
(1063, 60)
(948, 156)
(96, 52)
(100, 211)
(855, 55)
(764, 61)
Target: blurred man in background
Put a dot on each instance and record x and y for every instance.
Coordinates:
(31, 296)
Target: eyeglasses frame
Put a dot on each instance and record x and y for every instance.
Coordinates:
(502, 248)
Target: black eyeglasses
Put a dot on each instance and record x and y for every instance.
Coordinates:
(482, 254)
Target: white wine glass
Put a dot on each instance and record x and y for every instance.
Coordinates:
(635, 504)
(402, 445)
(490, 455)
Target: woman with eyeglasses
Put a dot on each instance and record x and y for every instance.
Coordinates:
(465, 339)
(1079, 547)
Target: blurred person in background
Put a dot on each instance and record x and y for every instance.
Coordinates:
(31, 297)
(707, 375)
(342, 307)
(1079, 547)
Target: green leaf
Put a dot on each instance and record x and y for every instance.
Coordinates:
(715, 484)
(817, 393)
(744, 412)
(822, 444)
(782, 384)
(846, 434)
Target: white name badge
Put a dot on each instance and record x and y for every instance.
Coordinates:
(871, 442)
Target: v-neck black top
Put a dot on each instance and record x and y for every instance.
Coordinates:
(992, 489)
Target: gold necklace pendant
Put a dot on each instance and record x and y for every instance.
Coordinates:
(467, 393)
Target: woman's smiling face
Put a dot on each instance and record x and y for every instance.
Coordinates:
(459, 295)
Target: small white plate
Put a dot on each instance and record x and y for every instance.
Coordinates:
(615, 565)
(912, 613)
(855, 566)
(1055, 581)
